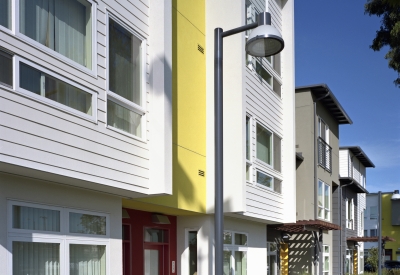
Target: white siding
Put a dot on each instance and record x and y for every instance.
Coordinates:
(34, 134)
(344, 163)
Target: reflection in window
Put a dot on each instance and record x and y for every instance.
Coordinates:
(240, 239)
(227, 237)
(5, 13)
(192, 252)
(123, 118)
(52, 88)
(155, 235)
(6, 67)
(227, 263)
(264, 144)
(240, 263)
(87, 259)
(264, 179)
(87, 224)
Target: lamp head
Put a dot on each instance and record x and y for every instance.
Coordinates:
(265, 40)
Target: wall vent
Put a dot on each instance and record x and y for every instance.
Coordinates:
(201, 173)
(200, 48)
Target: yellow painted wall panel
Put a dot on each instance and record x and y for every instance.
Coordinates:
(193, 10)
(189, 97)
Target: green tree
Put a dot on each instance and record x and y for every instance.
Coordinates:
(389, 32)
(373, 258)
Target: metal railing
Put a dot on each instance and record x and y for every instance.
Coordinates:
(324, 155)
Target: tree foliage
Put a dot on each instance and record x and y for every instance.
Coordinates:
(373, 258)
(389, 32)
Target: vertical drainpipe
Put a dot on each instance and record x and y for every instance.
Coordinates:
(316, 168)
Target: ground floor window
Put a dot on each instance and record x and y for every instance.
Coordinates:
(235, 253)
(349, 261)
(271, 258)
(326, 261)
(57, 240)
(192, 243)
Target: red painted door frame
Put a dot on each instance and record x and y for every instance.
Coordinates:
(137, 223)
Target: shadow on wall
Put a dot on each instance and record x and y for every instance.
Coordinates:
(301, 253)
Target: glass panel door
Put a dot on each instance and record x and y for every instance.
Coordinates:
(153, 260)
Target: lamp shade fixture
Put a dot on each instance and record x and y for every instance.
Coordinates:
(265, 40)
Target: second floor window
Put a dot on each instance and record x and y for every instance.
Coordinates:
(324, 197)
(350, 214)
(125, 109)
(5, 12)
(64, 26)
(324, 150)
(268, 147)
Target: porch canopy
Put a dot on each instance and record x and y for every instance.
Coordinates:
(371, 239)
(307, 225)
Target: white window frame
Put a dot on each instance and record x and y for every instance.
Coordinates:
(272, 254)
(249, 162)
(326, 254)
(233, 248)
(15, 30)
(64, 238)
(271, 149)
(263, 186)
(185, 254)
(323, 201)
(131, 106)
(350, 213)
(47, 101)
(326, 129)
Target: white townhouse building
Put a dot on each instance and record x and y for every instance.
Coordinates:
(85, 120)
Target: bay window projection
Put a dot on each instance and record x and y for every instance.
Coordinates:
(64, 26)
(42, 84)
(125, 109)
(323, 200)
(39, 236)
(6, 68)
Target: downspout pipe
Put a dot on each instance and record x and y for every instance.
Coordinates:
(316, 166)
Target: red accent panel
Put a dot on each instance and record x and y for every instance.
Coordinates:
(139, 220)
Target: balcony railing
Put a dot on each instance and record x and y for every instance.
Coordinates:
(324, 155)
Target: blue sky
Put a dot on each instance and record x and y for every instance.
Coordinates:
(332, 46)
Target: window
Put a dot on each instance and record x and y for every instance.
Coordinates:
(325, 255)
(248, 148)
(125, 98)
(41, 234)
(323, 200)
(373, 232)
(264, 144)
(362, 221)
(65, 26)
(268, 157)
(323, 130)
(192, 242)
(350, 214)
(41, 84)
(235, 253)
(5, 13)
(272, 266)
(373, 212)
(44, 85)
(6, 67)
(365, 233)
(324, 150)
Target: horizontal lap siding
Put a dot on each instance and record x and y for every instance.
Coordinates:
(39, 136)
(265, 107)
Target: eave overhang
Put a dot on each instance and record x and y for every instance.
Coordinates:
(353, 185)
(360, 155)
(328, 99)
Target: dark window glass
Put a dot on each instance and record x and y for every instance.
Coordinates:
(6, 69)
(192, 252)
(5, 8)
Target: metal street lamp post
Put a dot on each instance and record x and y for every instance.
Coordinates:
(264, 41)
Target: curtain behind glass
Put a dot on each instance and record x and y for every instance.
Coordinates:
(263, 144)
(61, 25)
(5, 17)
(240, 263)
(123, 119)
(125, 61)
(36, 258)
(87, 259)
(31, 218)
